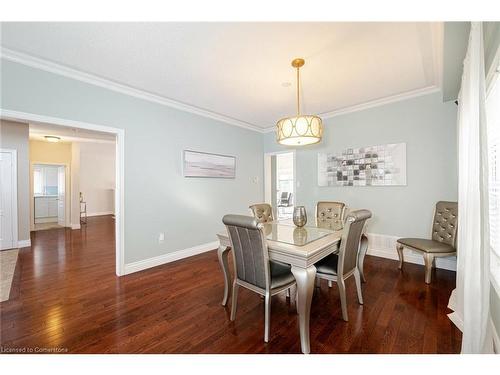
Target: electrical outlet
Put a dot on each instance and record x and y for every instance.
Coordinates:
(161, 238)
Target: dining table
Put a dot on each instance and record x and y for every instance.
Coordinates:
(300, 247)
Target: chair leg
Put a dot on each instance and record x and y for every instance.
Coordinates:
(428, 260)
(363, 248)
(267, 323)
(400, 248)
(343, 300)
(288, 293)
(357, 277)
(234, 300)
(330, 283)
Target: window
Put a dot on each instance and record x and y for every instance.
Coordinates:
(493, 123)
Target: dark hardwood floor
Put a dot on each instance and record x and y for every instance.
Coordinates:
(66, 296)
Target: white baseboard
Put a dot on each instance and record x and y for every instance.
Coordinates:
(384, 246)
(170, 257)
(103, 213)
(52, 219)
(23, 243)
(75, 226)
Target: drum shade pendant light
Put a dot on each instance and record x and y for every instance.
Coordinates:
(299, 130)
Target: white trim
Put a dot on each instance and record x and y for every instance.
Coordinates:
(373, 103)
(48, 66)
(496, 337)
(15, 220)
(384, 246)
(103, 213)
(23, 243)
(119, 169)
(170, 257)
(268, 155)
(75, 226)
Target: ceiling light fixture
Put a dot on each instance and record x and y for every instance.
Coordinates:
(299, 130)
(52, 138)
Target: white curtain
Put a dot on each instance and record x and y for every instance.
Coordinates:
(470, 299)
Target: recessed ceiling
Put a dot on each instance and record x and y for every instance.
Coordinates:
(240, 70)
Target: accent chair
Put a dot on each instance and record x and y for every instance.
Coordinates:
(442, 242)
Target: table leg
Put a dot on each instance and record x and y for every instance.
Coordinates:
(222, 254)
(305, 288)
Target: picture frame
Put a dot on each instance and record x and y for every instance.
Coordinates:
(198, 164)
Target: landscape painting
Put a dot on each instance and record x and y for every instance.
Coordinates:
(202, 164)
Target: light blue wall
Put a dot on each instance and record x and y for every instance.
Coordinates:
(427, 125)
(157, 197)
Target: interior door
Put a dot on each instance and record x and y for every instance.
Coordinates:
(61, 195)
(6, 202)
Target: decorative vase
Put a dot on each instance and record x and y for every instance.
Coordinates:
(299, 216)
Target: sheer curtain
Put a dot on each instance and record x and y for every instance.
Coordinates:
(470, 299)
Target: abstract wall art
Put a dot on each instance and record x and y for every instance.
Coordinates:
(203, 164)
(382, 165)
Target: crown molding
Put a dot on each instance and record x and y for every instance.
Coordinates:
(373, 103)
(48, 66)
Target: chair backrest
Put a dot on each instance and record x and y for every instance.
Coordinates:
(444, 226)
(351, 236)
(263, 212)
(251, 257)
(332, 212)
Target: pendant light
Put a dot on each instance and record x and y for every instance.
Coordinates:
(299, 130)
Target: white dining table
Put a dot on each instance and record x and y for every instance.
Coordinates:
(299, 247)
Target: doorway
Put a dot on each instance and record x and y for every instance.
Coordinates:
(49, 196)
(280, 183)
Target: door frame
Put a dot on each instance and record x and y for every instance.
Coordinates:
(15, 222)
(119, 170)
(67, 181)
(268, 172)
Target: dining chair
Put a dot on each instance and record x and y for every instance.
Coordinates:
(263, 212)
(443, 238)
(252, 268)
(339, 267)
(331, 213)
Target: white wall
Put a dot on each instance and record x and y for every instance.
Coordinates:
(97, 176)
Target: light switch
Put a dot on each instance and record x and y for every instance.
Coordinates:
(161, 238)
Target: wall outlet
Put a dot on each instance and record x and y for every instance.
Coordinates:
(161, 238)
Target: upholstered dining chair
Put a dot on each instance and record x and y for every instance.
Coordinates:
(339, 267)
(263, 212)
(330, 215)
(252, 268)
(443, 238)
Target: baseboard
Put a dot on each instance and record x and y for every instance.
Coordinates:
(103, 213)
(23, 243)
(170, 257)
(384, 246)
(75, 226)
(51, 219)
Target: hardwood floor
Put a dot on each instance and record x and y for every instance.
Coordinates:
(66, 298)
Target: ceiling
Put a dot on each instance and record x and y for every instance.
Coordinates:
(38, 131)
(242, 71)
